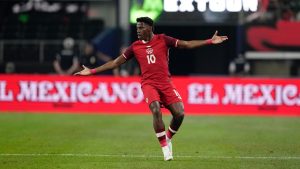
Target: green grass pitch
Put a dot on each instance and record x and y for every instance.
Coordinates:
(79, 141)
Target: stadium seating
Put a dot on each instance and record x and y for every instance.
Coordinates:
(22, 35)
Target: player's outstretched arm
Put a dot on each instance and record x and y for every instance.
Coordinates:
(108, 65)
(216, 39)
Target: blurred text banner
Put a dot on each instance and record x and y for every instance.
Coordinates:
(116, 95)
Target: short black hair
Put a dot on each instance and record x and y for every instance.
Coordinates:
(146, 20)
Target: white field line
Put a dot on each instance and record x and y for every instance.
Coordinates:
(157, 156)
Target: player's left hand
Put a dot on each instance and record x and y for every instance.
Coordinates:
(84, 72)
(218, 39)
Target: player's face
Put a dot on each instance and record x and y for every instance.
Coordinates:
(143, 31)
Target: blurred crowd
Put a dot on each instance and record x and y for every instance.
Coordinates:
(274, 10)
(68, 60)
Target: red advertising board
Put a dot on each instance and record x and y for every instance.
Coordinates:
(105, 94)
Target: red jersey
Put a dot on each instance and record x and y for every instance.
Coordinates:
(153, 57)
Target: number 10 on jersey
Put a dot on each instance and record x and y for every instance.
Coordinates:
(151, 59)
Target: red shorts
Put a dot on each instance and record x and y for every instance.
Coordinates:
(166, 94)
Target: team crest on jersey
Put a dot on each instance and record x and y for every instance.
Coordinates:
(149, 51)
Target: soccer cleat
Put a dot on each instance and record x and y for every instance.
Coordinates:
(166, 152)
(170, 146)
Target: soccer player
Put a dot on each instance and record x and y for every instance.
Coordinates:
(152, 54)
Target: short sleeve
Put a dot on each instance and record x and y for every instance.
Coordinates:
(170, 41)
(128, 54)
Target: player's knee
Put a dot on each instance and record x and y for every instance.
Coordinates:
(155, 109)
(178, 112)
(180, 115)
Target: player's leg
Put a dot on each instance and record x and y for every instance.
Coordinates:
(177, 111)
(159, 128)
(158, 124)
(173, 100)
(153, 99)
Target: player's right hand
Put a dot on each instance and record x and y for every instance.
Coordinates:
(85, 71)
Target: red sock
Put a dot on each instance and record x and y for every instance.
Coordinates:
(162, 138)
(170, 133)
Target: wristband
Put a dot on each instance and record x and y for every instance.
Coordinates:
(93, 71)
(208, 41)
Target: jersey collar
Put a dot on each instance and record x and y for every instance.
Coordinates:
(144, 42)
